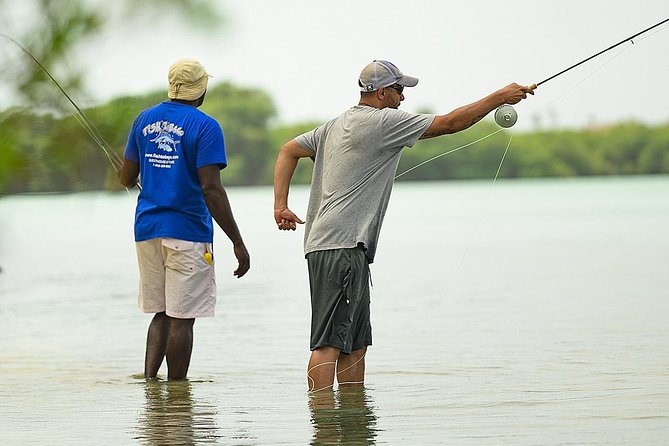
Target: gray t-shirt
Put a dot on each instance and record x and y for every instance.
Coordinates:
(356, 157)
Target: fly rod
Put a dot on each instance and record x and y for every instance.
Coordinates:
(533, 86)
(506, 116)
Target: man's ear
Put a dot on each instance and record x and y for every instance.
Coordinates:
(200, 100)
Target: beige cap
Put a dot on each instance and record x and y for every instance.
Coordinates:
(187, 80)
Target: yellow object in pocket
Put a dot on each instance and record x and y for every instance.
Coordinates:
(208, 257)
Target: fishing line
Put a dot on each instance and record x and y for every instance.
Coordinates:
(628, 39)
(499, 167)
(474, 234)
(312, 383)
(264, 269)
(311, 380)
(88, 125)
(534, 86)
(495, 177)
(448, 152)
(499, 119)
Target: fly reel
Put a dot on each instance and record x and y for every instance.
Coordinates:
(506, 116)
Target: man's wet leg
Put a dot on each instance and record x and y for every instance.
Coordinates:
(156, 344)
(351, 368)
(179, 347)
(321, 368)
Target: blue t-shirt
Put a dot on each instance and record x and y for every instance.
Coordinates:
(170, 141)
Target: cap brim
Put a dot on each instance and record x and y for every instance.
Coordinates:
(408, 81)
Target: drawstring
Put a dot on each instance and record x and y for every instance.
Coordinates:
(369, 274)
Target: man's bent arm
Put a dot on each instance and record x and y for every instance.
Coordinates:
(128, 173)
(464, 117)
(284, 169)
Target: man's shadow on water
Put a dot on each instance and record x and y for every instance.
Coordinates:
(171, 418)
(343, 416)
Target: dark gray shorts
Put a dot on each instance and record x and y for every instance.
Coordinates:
(339, 282)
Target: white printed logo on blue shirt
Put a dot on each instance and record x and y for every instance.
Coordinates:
(165, 142)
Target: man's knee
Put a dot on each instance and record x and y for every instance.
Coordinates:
(181, 323)
(354, 355)
(327, 351)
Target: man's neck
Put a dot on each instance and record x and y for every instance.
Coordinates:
(363, 103)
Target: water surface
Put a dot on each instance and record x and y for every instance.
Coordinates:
(528, 312)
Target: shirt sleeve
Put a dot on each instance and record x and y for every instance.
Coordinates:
(308, 140)
(131, 149)
(403, 129)
(211, 146)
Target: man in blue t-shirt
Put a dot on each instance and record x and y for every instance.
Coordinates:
(179, 153)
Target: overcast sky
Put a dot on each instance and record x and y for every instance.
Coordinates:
(307, 55)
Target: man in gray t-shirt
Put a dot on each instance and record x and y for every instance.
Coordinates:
(355, 159)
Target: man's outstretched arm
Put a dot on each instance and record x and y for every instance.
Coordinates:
(466, 116)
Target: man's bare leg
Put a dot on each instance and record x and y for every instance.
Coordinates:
(351, 368)
(156, 344)
(179, 347)
(321, 368)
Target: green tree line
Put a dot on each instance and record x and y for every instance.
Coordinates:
(43, 152)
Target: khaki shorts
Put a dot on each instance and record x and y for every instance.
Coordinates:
(175, 278)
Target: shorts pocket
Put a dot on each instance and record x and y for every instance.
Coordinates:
(181, 254)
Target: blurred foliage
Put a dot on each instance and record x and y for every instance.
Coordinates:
(55, 28)
(245, 114)
(621, 149)
(46, 152)
(281, 135)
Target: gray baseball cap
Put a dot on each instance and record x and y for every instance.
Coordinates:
(381, 73)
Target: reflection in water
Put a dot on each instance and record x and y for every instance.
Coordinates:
(344, 416)
(171, 417)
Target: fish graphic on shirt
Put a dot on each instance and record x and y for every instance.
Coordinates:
(165, 142)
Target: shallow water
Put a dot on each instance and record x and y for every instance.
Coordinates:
(528, 312)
